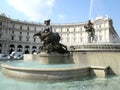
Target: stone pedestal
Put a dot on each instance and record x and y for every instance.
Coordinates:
(99, 71)
(49, 58)
(30, 57)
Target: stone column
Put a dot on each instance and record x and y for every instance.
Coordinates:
(30, 50)
(4, 47)
(23, 49)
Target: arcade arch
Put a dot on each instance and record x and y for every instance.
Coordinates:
(27, 50)
(11, 48)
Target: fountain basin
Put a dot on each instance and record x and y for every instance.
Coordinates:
(62, 71)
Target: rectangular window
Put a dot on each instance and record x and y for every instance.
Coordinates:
(100, 32)
(81, 39)
(74, 34)
(81, 33)
(20, 38)
(34, 39)
(67, 39)
(67, 34)
(67, 30)
(27, 38)
(12, 32)
(20, 27)
(12, 37)
(27, 28)
(20, 33)
(100, 26)
(61, 35)
(74, 30)
(0, 35)
(100, 37)
(61, 29)
(81, 28)
(27, 33)
(74, 39)
(13, 26)
(0, 23)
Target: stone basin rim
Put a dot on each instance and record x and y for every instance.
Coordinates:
(4, 65)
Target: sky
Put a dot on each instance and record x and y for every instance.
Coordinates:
(62, 11)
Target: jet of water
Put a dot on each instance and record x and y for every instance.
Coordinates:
(91, 4)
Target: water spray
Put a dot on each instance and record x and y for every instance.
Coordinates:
(90, 13)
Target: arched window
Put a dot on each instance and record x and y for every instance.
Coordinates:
(27, 48)
(19, 48)
(34, 49)
(11, 48)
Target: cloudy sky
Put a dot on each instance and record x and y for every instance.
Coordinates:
(61, 11)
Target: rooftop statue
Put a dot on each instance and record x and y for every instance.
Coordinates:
(91, 31)
(50, 40)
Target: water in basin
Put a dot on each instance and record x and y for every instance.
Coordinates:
(35, 64)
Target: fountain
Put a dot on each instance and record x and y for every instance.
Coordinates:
(55, 62)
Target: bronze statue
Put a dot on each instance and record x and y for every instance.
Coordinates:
(50, 40)
(91, 31)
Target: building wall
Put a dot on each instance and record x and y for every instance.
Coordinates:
(75, 33)
(16, 33)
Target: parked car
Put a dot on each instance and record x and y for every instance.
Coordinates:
(3, 56)
(18, 57)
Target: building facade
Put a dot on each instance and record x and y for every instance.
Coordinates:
(16, 35)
